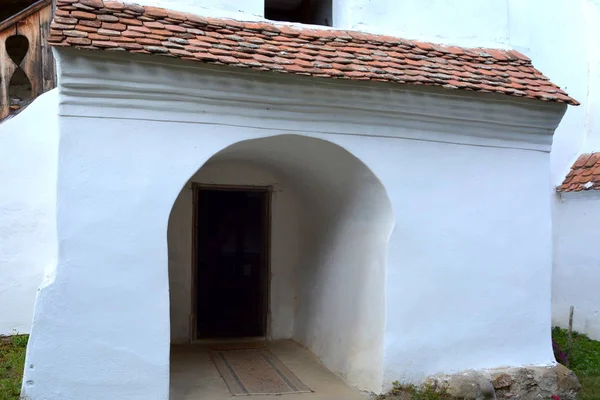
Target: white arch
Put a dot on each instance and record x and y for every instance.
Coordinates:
(331, 223)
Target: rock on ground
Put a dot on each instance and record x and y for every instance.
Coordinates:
(527, 383)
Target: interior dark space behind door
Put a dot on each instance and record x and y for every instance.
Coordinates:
(231, 259)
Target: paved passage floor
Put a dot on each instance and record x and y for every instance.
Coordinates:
(195, 377)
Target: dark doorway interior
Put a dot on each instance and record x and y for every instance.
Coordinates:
(232, 263)
(316, 12)
(13, 7)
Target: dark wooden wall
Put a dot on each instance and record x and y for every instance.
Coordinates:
(38, 63)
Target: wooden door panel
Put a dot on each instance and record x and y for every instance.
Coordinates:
(231, 263)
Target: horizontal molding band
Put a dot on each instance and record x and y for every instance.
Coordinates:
(116, 85)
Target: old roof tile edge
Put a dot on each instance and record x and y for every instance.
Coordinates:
(265, 46)
(584, 174)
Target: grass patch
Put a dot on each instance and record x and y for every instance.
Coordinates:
(584, 361)
(12, 363)
(411, 392)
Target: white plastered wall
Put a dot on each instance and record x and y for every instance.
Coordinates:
(592, 13)
(246, 10)
(470, 22)
(455, 253)
(471, 248)
(577, 264)
(466, 175)
(28, 162)
(576, 216)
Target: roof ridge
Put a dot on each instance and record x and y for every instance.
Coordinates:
(287, 48)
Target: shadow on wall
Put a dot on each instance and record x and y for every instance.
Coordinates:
(345, 219)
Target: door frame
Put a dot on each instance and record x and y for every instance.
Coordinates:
(266, 263)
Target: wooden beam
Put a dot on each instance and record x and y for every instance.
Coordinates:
(48, 67)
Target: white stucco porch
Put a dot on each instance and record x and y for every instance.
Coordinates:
(465, 176)
(194, 376)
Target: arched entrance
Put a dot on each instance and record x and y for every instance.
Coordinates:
(284, 237)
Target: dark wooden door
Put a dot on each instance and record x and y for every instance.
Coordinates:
(232, 268)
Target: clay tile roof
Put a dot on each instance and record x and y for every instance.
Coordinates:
(112, 25)
(584, 174)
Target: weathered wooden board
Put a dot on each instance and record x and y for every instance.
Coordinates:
(7, 68)
(32, 63)
(48, 66)
(38, 63)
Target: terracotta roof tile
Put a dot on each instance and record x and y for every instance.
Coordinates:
(584, 174)
(97, 24)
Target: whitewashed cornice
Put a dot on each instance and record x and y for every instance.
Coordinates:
(583, 195)
(119, 85)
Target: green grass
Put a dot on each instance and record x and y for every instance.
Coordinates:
(584, 361)
(411, 392)
(12, 362)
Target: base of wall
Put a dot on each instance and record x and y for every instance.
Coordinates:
(527, 383)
